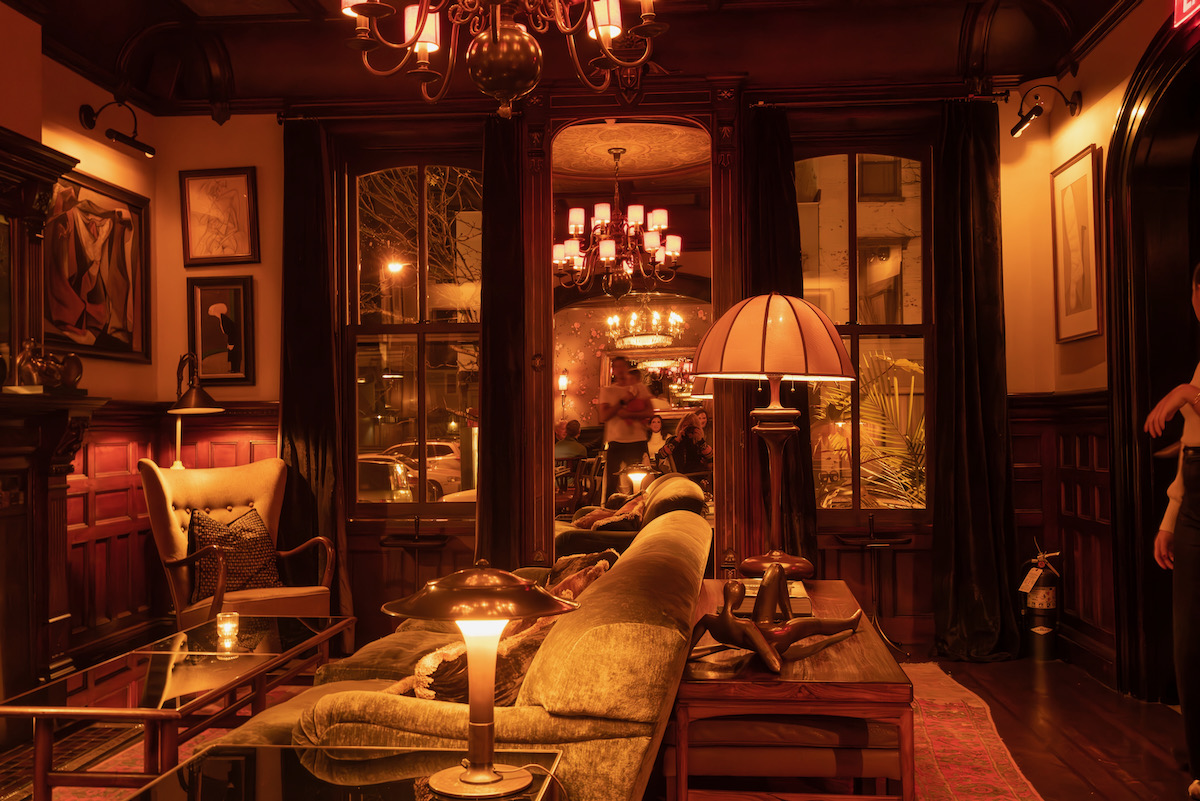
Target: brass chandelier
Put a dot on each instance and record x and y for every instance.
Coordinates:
(644, 327)
(620, 249)
(503, 58)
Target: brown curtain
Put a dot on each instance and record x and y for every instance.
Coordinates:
(773, 252)
(502, 322)
(972, 498)
(311, 352)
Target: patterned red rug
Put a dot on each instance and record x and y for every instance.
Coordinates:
(959, 754)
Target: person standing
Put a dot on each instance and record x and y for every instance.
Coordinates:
(624, 409)
(1177, 548)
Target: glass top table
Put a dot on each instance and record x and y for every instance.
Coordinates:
(175, 688)
(284, 772)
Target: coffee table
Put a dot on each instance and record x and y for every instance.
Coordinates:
(855, 679)
(173, 688)
(285, 772)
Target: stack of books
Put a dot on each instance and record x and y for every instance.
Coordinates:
(801, 603)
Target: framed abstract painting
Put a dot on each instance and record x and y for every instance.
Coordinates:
(96, 270)
(1075, 216)
(221, 328)
(220, 216)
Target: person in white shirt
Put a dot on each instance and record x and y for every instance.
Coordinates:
(1177, 548)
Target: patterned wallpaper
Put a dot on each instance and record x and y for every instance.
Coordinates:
(581, 342)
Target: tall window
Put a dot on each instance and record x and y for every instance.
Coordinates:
(416, 335)
(863, 249)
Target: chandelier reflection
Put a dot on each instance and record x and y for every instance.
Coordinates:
(645, 327)
(620, 250)
(503, 58)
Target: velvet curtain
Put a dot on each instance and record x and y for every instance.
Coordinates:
(772, 231)
(311, 354)
(502, 322)
(973, 514)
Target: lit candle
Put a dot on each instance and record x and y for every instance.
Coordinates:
(227, 624)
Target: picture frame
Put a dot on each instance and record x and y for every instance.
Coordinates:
(1075, 217)
(219, 211)
(221, 328)
(96, 270)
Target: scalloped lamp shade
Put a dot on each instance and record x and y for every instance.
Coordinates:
(773, 335)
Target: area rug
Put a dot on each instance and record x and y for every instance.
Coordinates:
(959, 753)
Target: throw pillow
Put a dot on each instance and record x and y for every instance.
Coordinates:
(588, 520)
(573, 563)
(249, 554)
(618, 522)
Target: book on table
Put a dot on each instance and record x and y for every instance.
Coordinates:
(801, 603)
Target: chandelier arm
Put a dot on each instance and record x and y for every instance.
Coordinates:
(441, 92)
(384, 73)
(562, 17)
(608, 53)
(406, 45)
(581, 75)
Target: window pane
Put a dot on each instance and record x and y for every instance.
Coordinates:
(823, 204)
(831, 428)
(388, 246)
(889, 240)
(891, 387)
(451, 414)
(455, 197)
(387, 415)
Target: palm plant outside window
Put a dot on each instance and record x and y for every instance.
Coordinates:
(416, 335)
(862, 220)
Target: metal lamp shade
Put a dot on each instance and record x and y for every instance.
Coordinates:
(773, 335)
(195, 401)
(481, 593)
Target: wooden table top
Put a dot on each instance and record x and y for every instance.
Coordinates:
(858, 668)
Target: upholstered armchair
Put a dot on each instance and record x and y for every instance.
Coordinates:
(225, 494)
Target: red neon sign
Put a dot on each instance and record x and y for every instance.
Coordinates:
(1185, 10)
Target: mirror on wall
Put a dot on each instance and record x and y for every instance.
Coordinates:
(632, 274)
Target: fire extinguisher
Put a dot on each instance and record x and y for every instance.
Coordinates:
(1040, 611)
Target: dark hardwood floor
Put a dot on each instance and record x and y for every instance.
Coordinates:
(1075, 738)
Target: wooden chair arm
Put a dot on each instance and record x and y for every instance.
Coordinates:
(327, 576)
(217, 551)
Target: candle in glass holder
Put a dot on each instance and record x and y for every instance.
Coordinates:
(227, 624)
(226, 647)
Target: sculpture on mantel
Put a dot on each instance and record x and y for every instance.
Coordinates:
(760, 633)
(36, 371)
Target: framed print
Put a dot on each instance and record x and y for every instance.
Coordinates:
(220, 216)
(96, 270)
(1075, 216)
(221, 328)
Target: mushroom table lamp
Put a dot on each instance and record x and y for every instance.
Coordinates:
(194, 401)
(774, 337)
(481, 600)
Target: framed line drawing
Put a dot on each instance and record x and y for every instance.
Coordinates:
(220, 216)
(221, 328)
(1075, 216)
(96, 270)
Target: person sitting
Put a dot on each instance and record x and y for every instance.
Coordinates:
(569, 447)
(655, 440)
(693, 454)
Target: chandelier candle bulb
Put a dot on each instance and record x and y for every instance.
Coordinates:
(575, 221)
(560, 254)
(608, 20)
(430, 39)
(651, 241)
(608, 250)
(674, 245)
(636, 215)
(603, 212)
(571, 249)
(658, 219)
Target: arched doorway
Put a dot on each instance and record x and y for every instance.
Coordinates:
(1153, 207)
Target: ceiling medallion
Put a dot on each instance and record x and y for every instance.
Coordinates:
(503, 58)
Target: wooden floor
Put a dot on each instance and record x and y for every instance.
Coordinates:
(1075, 738)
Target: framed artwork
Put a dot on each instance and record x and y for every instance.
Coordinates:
(220, 216)
(1075, 216)
(221, 328)
(96, 270)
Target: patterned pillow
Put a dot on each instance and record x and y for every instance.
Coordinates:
(249, 554)
(573, 563)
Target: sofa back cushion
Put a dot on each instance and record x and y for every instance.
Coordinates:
(621, 654)
(671, 492)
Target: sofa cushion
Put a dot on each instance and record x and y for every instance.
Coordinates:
(672, 492)
(249, 554)
(392, 657)
(566, 565)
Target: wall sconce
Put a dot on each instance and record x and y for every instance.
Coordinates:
(89, 115)
(194, 401)
(563, 380)
(1027, 117)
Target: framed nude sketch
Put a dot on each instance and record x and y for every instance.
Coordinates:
(1075, 216)
(221, 328)
(220, 216)
(96, 270)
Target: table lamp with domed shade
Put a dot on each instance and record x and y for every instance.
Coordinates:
(481, 600)
(774, 337)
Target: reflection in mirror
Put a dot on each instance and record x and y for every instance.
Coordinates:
(652, 319)
(5, 298)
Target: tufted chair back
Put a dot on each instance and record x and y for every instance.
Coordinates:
(224, 493)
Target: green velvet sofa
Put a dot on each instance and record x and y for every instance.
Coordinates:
(600, 688)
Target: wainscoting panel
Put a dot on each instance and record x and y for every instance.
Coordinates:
(1062, 497)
